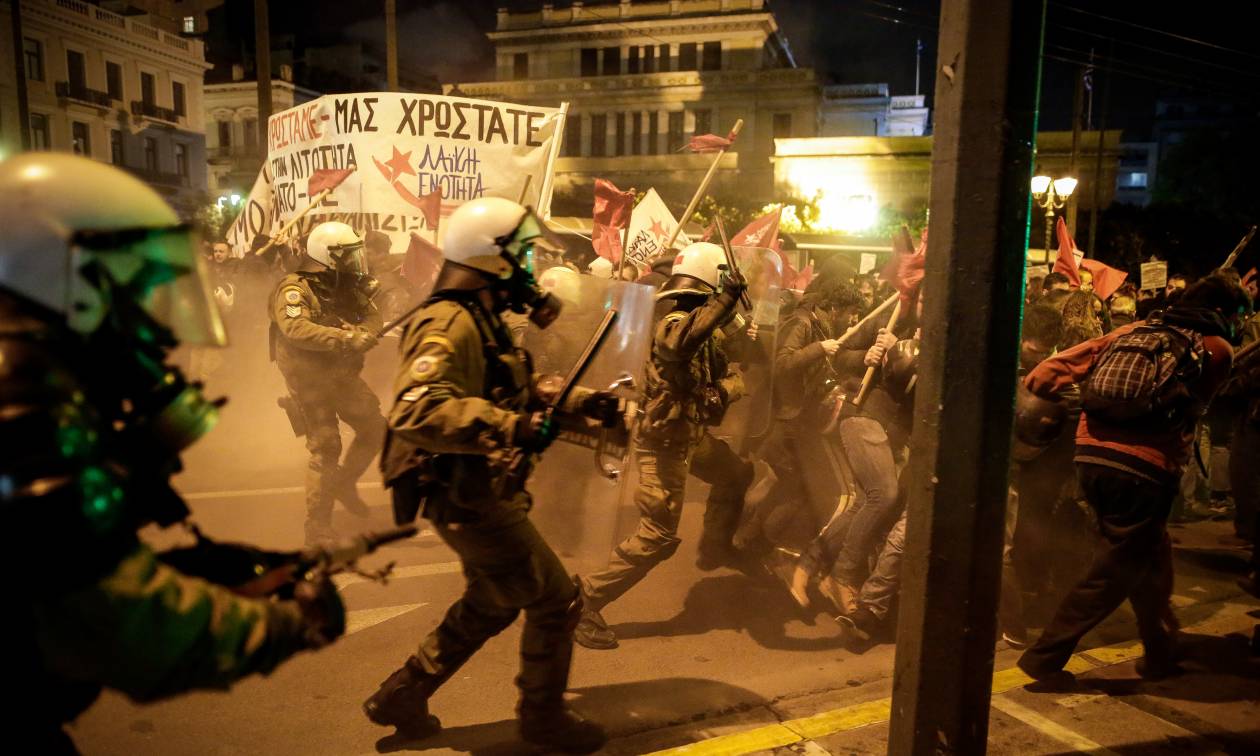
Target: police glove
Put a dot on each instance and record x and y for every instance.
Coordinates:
(732, 284)
(361, 340)
(322, 609)
(534, 431)
(604, 406)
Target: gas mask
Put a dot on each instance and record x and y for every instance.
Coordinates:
(520, 290)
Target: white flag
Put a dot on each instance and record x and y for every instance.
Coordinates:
(651, 225)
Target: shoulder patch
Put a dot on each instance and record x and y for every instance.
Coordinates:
(424, 367)
(293, 295)
(292, 311)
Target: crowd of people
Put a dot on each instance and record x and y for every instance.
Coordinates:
(1113, 399)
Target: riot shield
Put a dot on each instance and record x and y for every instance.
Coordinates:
(749, 419)
(576, 504)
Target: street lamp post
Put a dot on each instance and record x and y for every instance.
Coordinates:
(1051, 194)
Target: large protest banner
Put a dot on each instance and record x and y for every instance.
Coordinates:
(401, 149)
(651, 224)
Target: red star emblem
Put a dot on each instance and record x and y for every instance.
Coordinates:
(658, 230)
(400, 164)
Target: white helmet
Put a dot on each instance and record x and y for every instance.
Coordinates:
(74, 227)
(338, 247)
(481, 230)
(601, 267)
(564, 283)
(697, 270)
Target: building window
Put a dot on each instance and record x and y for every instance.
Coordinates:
(39, 132)
(1136, 180)
(115, 147)
(599, 135)
(636, 133)
(782, 125)
(520, 66)
(674, 141)
(76, 70)
(620, 147)
(704, 121)
(632, 60)
(663, 58)
(590, 61)
(150, 154)
(113, 80)
(177, 99)
(80, 141)
(33, 50)
(573, 136)
(653, 130)
(612, 61)
(225, 133)
(148, 89)
(687, 56)
(712, 56)
(251, 133)
(181, 160)
(190, 25)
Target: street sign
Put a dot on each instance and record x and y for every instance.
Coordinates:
(1154, 275)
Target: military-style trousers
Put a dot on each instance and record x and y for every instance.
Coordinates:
(663, 469)
(323, 402)
(508, 568)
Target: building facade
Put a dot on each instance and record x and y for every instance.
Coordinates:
(232, 139)
(869, 110)
(110, 87)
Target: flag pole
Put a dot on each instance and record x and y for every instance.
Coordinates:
(870, 371)
(704, 187)
(1233, 256)
(318, 198)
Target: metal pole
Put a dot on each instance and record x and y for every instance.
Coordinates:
(1078, 103)
(19, 68)
(391, 45)
(1049, 226)
(986, 121)
(1095, 211)
(262, 71)
(918, 55)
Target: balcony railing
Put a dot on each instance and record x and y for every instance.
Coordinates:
(235, 151)
(84, 94)
(102, 17)
(160, 178)
(150, 110)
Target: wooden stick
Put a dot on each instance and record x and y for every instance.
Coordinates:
(869, 316)
(704, 188)
(525, 189)
(1233, 256)
(870, 371)
(318, 198)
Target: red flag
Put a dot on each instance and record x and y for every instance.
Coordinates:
(905, 270)
(326, 178)
(762, 232)
(431, 207)
(710, 142)
(609, 219)
(1106, 278)
(1066, 264)
(801, 281)
(421, 263)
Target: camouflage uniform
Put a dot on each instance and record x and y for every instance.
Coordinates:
(689, 385)
(312, 326)
(459, 392)
(99, 609)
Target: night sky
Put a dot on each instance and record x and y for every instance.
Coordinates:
(1204, 48)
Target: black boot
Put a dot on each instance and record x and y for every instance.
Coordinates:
(402, 701)
(561, 729)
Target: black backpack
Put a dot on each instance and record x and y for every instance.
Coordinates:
(1144, 377)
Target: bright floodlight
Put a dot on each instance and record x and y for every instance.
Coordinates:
(1040, 184)
(1064, 186)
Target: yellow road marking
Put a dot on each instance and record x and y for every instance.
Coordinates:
(838, 720)
(749, 741)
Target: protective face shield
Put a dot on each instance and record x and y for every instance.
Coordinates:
(496, 237)
(338, 248)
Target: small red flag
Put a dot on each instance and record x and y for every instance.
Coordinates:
(905, 270)
(1066, 263)
(326, 178)
(761, 232)
(609, 218)
(421, 263)
(431, 207)
(710, 142)
(1106, 278)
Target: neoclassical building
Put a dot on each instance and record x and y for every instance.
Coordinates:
(641, 78)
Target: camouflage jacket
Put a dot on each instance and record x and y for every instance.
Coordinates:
(309, 321)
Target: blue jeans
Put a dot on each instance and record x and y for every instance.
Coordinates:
(853, 535)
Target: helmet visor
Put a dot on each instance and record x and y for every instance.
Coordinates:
(169, 279)
(349, 258)
(532, 232)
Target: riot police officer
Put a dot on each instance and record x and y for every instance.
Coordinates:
(97, 280)
(323, 321)
(462, 433)
(690, 383)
